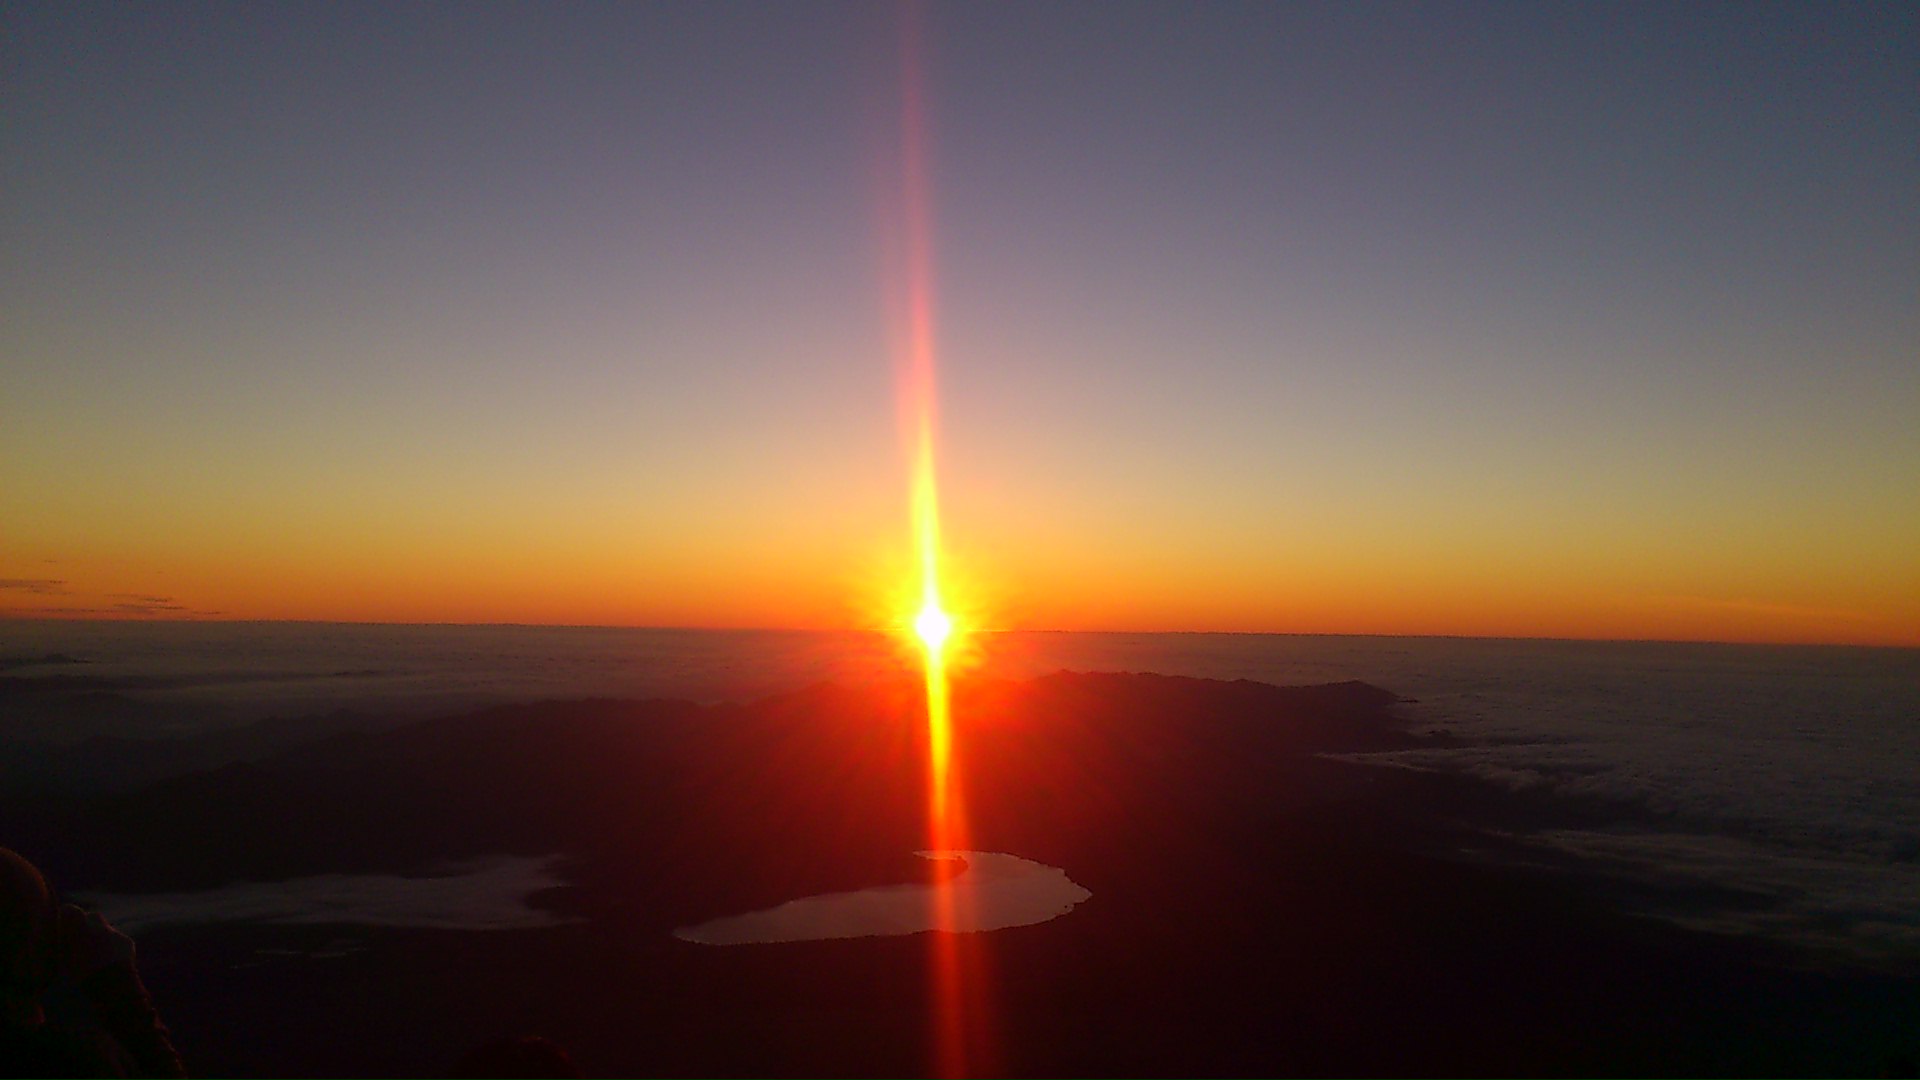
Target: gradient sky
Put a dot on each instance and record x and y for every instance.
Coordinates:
(1532, 319)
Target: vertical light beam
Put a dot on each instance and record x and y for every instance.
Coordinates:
(956, 1020)
(931, 623)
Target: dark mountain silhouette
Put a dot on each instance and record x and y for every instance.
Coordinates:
(1256, 907)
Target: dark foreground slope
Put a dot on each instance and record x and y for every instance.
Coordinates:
(1256, 908)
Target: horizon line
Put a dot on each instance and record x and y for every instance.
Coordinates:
(25, 617)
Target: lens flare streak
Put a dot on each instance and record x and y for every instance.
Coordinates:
(959, 1028)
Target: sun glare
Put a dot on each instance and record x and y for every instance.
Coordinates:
(934, 627)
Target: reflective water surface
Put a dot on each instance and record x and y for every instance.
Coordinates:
(994, 892)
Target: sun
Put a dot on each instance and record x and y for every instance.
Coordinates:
(934, 627)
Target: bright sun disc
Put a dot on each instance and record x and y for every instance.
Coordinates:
(933, 626)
